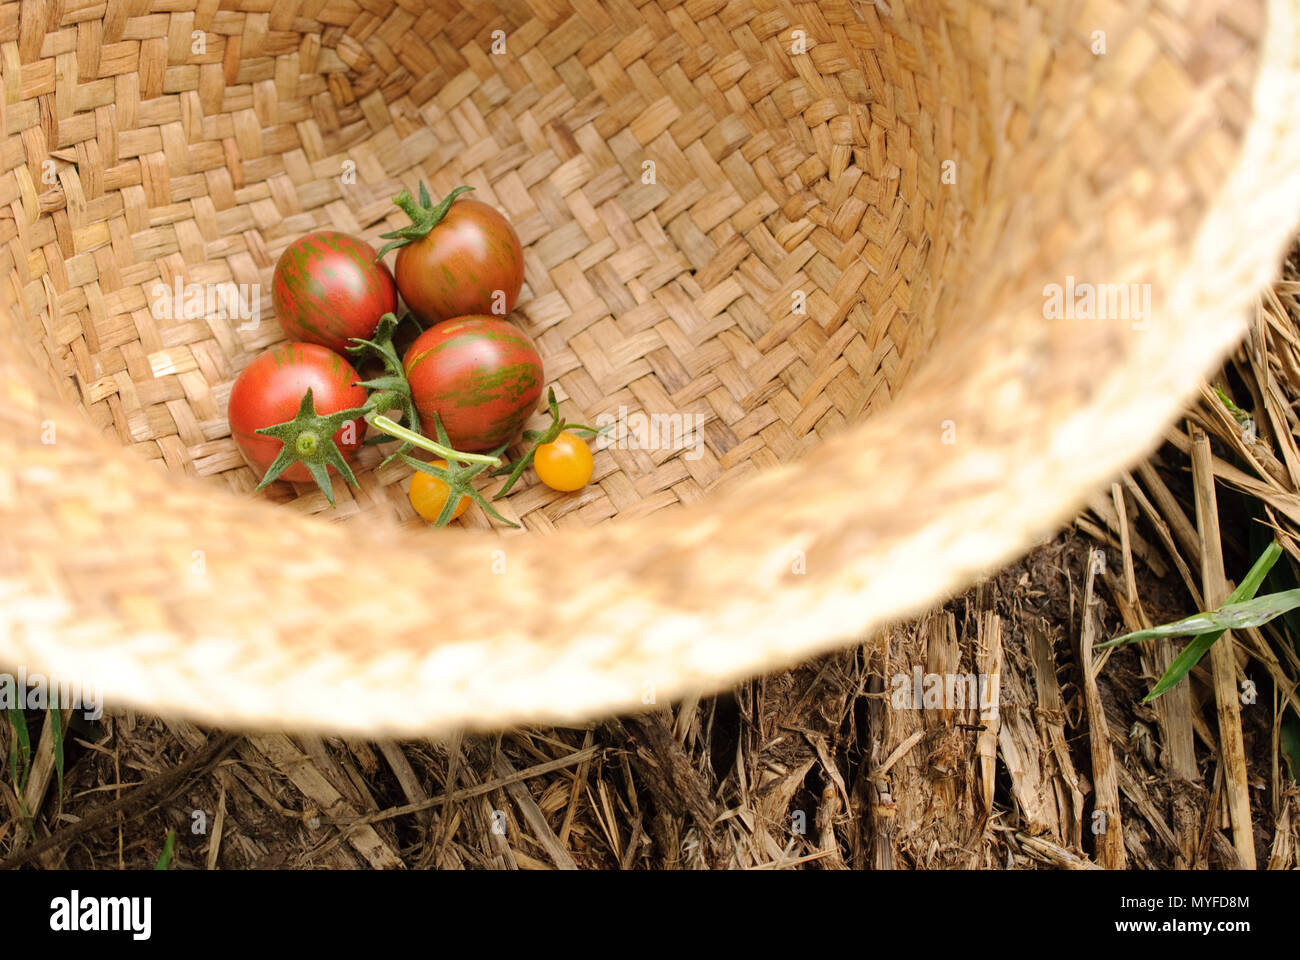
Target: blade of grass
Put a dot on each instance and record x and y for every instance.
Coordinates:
(1243, 609)
(1241, 596)
(165, 859)
(20, 758)
(13, 765)
(1182, 664)
(1230, 616)
(56, 717)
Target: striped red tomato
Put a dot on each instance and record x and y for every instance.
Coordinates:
(481, 376)
(457, 258)
(269, 391)
(328, 287)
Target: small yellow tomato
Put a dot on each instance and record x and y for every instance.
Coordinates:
(428, 494)
(564, 463)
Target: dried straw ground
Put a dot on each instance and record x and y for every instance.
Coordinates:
(814, 767)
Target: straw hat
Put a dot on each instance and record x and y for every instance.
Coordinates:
(863, 260)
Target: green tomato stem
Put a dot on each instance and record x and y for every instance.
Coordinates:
(424, 217)
(424, 443)
(381, 401)
(410, 207)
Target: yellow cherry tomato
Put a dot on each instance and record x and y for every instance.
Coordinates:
(565, 463)
(428, 494)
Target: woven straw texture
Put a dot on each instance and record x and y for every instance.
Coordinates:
(915, 174)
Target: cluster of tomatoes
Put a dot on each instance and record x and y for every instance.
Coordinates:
(470, 378)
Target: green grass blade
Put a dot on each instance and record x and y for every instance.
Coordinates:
(56, 718)
(1230, 616)
(1239, 611)
(13, 764)
(21, 756)
(1238, 414)
(1182, 664)
(169, 845)
(1191, 654)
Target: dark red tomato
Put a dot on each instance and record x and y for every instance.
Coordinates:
(470, 263)
(270, 389)
(328, 287)
(481, 375)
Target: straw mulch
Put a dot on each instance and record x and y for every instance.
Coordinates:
(814, 767)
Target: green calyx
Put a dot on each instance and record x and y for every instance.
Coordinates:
(424, 217)
(309, 439)
(459, 479)
(539, 438)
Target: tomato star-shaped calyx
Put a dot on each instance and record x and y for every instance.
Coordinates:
(309, 439)
(424, 217)
(459, 479)
(538, 438)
